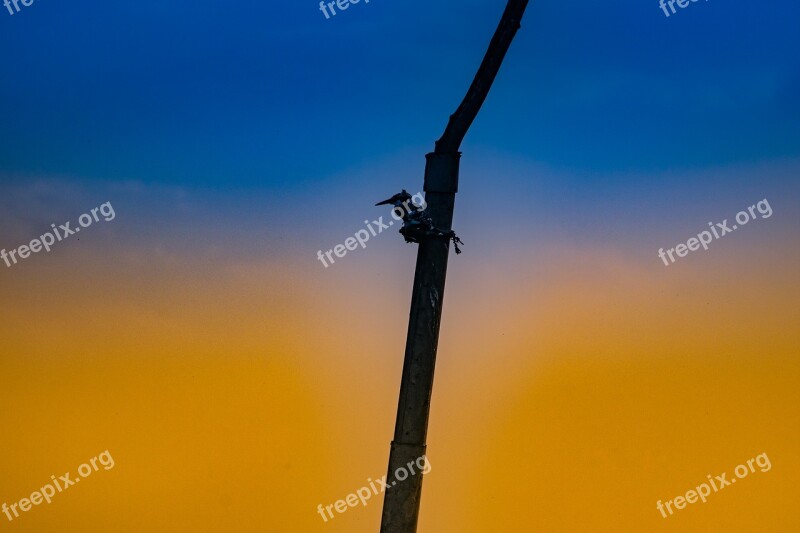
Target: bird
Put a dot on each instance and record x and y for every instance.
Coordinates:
(417, 225)
(401, 199)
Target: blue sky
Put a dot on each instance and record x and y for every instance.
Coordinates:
(272, 95)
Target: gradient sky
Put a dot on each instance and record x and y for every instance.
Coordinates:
(238, 383)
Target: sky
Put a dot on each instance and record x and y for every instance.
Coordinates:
(238, 382)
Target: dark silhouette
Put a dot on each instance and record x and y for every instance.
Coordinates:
(417, 225)
(402, 498)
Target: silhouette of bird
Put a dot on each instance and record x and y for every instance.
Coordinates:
(398, 200)
(417, 225)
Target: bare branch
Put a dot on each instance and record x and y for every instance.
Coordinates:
(461, 120)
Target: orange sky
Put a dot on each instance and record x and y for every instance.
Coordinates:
(575, 388)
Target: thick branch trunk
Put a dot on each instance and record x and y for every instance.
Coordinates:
(402, 498)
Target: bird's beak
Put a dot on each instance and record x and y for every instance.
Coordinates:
(385, 202)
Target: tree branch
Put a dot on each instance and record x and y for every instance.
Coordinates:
(462, 119)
